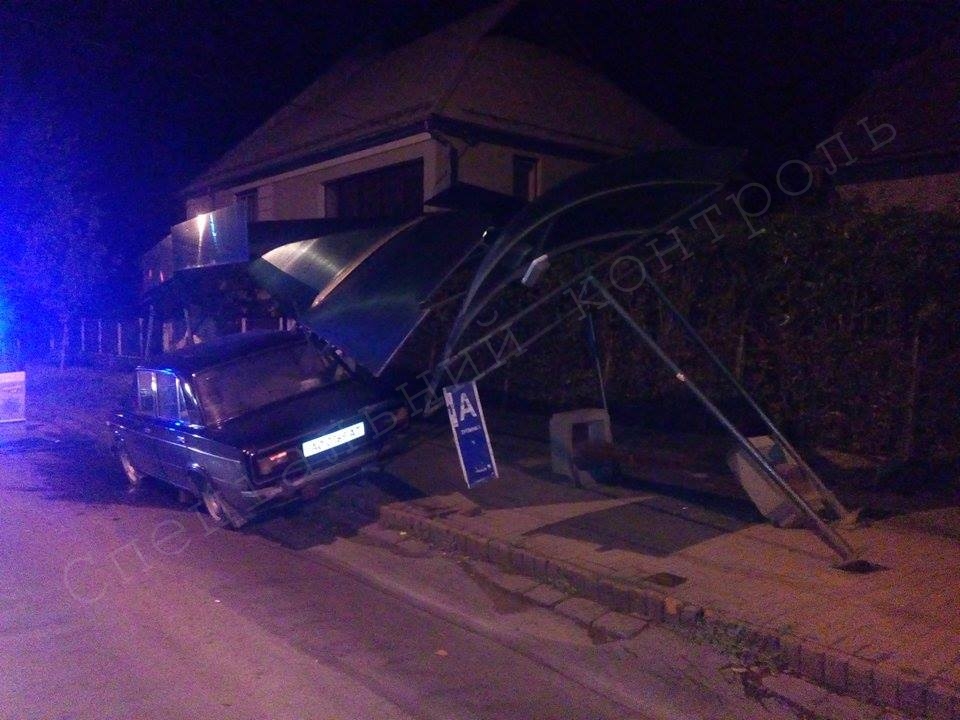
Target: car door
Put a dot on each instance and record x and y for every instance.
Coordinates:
(177, 423)
(139, 432)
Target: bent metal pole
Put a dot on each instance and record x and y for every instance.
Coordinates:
(829, 536)
(832, 499)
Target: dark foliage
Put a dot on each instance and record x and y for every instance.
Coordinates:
(842, 323)
(50, 243)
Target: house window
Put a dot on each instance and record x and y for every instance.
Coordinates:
(394, 192)
(247, 202)
(525, 177)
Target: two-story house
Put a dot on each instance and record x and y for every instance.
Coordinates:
(463, 113)
(466, 116)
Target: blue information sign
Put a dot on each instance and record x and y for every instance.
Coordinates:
(470, 433)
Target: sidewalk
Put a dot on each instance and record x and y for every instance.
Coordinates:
(889, 637)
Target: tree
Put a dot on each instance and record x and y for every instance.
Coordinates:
(49, 221)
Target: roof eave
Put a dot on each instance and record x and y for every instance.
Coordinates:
(589, 152)
(257, 171)
(899, 166)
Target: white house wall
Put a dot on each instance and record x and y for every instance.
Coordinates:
(491, 166)
(299, 194)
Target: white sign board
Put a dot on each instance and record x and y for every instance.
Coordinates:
(13, 396)
(470, 433)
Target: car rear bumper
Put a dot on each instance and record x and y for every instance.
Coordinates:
(327, 476)
(337, 473)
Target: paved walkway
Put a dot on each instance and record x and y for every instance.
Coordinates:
(891, 636)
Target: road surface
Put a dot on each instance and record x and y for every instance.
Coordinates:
(115, 605)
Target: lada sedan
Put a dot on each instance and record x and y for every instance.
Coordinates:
(254, 419)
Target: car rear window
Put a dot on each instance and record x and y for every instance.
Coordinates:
(265, 377)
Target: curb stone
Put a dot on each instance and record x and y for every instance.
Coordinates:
(580, 610)
(869, 682)
(619, 626)
(545, 596)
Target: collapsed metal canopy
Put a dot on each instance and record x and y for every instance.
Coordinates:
(365, 291)
(626, 198)
(296, 272)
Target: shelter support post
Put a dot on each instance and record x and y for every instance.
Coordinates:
(827, 534)
(828, 495)
(593, 345)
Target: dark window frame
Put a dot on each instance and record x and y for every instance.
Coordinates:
(249, 203)
(391, 192)
(526, 177)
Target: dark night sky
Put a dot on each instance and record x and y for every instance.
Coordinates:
(154, 91)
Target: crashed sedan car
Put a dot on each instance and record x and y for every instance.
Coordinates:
(254, 419)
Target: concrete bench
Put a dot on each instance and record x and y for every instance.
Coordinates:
(562, 425)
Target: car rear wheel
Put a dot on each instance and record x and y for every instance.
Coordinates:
(218, 509)
(134, 476)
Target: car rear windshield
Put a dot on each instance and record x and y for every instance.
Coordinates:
(265, 377)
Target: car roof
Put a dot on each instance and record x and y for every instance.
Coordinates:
(221, 350)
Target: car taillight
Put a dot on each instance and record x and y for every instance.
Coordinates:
(270, 463)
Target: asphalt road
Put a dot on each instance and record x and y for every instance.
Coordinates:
(132, 606)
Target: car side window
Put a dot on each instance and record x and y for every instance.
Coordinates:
(168, 405)
(146, 392)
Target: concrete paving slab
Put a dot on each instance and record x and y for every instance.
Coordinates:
(780, 581)
(812, 700)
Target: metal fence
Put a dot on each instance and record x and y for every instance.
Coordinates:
(129, 338)
(122, 338)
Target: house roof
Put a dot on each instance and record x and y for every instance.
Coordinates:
(919, 97)
(462, 73)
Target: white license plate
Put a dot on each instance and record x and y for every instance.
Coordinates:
(332, 440)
